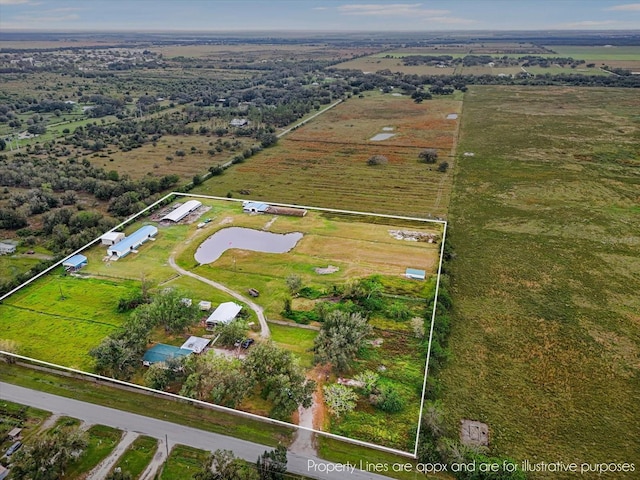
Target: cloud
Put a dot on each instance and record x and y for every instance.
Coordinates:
(390, 9)
(589, 24)
(30, 20)
(629, 7)
(14, 2)
(319, 8)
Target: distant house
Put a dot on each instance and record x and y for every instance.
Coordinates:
(196, 344)
(239, 122)
(133, 241)
(7, 248)
(161, 353)
(254, 207)
(182, 211)
(415, 274)
(111, 238)
(225, 313)
(75, 263)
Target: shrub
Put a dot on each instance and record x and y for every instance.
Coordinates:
(377, 160)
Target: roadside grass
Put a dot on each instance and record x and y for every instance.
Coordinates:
(66, 422)
(183, 462)
(102, 440)
(297, 340)
(147, 405)
(324, 163)
(369, 459)
(545, 227)
(136, 458)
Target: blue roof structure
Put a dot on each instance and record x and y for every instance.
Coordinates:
(133, 241)
(255, 207)
(76, 261)
(161, 353)
(415, 273)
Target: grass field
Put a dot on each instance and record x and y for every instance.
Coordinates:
(102, 440)
(324, 162)
(592, 53)
(62, 329)
(546, 226)
(137, 456)
(183, 462)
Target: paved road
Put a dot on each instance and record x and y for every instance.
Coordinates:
(264, 326)
(176, 434)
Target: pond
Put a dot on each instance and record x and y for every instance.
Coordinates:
(245, 239)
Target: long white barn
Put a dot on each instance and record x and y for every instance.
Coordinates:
(182, 211)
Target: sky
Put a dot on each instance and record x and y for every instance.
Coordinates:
(318, 15)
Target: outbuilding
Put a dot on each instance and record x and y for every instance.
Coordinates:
(74, 263)
(182, 211)
(204, 305)
(133, 241)
(14, 434)
(415, 274)
(4, 472)
(254, 207)
(7, 248)
(111, 238)
(225, 313)
(162, 353)
(196, 344)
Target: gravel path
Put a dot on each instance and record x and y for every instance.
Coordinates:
(104, 467)
(264, 326)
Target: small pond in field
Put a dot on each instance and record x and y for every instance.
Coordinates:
(244, 239)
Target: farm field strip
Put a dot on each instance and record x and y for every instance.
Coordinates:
(544, 221)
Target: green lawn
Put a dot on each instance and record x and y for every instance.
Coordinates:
(137, 456)
(545, 227)
(183, 462)
(102, 440)
(297, 340)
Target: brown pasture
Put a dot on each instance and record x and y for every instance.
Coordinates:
(324, 163)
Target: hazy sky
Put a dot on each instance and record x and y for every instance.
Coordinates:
(371, 15)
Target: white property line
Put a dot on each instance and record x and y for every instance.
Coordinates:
(133, 217)
(240, 412)
(433, 321)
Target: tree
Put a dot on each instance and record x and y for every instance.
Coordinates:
(443, 167)
(230, 333)
(280, 378)
(428, 155)
(114, 357)
(272, 465)
(340, 399)
(223, 465)
(169, 310)
(160, 375)
(294, 283)
(341, 336)
(119, 474)
(377, 160)
(369, 380)
(217, 378)
(9, 346)
(48, 456)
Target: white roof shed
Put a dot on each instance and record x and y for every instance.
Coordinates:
(111, 238)
(182, 211)
(196, 344)
(225, 313)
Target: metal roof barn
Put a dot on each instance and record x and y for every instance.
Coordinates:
(225, 313)
(111, 238)
(75, 262)
(133, 241)
(182, 211)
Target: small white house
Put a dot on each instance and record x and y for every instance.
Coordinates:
(196, 344)
(239, 122)
(111, 238)
(204, 305)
